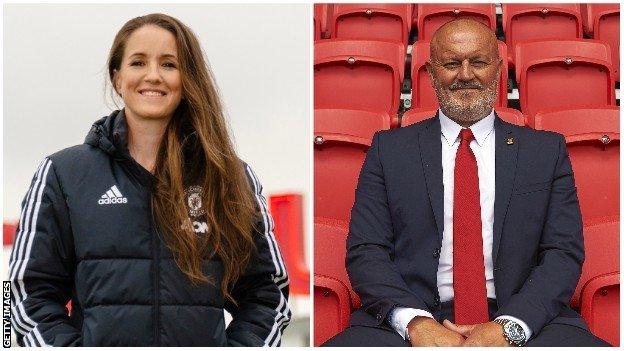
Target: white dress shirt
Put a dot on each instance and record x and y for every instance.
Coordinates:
(483, 147)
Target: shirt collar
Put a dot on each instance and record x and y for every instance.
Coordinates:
(481, 130)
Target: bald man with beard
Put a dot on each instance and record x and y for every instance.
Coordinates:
(466, 230)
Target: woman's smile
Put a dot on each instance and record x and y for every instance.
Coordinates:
(152, 93)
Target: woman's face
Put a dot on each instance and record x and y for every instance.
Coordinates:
(149, 77)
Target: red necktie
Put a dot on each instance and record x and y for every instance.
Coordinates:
(471, 305)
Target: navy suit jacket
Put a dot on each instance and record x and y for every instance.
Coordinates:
(395, 234)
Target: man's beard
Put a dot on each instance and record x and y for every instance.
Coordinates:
(471, 111)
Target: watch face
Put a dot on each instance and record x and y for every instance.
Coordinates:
(514, 331)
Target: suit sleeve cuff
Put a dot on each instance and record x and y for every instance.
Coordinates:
(400, 317)
(525, 327)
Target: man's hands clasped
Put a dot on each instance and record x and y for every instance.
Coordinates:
(425, 331)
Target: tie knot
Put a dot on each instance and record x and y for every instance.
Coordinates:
(466, 135)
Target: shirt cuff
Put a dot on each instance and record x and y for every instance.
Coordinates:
(400, 317)
(525, 327)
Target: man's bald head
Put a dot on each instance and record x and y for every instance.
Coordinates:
(463, 30)
(464, 66)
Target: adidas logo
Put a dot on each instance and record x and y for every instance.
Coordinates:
(112, 196)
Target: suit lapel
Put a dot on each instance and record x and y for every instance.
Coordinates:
(505, 172)
(431, 156)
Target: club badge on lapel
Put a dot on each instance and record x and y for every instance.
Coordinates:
(510, 141)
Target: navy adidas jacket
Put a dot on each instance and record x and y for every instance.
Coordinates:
(86, 234)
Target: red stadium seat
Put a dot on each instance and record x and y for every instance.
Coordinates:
(540, 21)
(564, 74)
(510, 115)
(593, 142)
(341, 140)
(318, 14)
(358, 75)
(333, 297)
(585, 21)
(287, 213)
(602, 309)
(433, 16)
(598, 291)
(592, 11)
(8, 233)
(322, 14)
(423, 94)
(372, 21)
(416, 115)
(605, 25)
(537, 49)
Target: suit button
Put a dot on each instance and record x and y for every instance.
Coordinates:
(436, 253)
(379, 318)
(436, 300)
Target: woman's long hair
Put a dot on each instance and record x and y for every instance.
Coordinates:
(196, 149)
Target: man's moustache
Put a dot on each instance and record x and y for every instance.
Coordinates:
(458, 85)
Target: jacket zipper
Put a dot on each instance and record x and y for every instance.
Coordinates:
(155, 249)
(156, 246)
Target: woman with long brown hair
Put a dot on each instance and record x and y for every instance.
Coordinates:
(153, 226)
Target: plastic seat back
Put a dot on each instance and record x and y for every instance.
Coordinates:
(341, 139)
(510, 115)
(433, 16)
(333, 297)
(602, 309)
(593, 143)
(321, 14)
(564, 74)
(539, 49)
(358, 75)
(416, 115)
(597, 293)
(372, 21)
(605, 19)
(540, 21)
(423, 94)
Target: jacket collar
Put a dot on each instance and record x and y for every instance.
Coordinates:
(431, 157)
(110, 134)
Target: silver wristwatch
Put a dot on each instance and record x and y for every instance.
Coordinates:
(512, 332)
